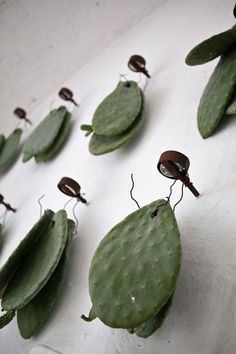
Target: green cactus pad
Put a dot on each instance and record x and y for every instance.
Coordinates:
(44, 134)
(146, 329)
(58, 142)
(33, 315)
(231, 110)
(212, 48)
(217, 94)
(135, 267)
(10, 149)
(8, 269)
(99, 144)
(6, 318)
(119, 110)
(38, 265)
(2, 141)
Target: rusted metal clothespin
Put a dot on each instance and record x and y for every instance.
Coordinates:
(7, 205)
(137, 64)
(71, 188)
(21, 114)
(67, 95)
(175, 165)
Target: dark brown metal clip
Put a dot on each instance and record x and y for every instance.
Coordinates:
(71, 188)
(234, 12)
(67, 95)
(175, 165)
(21, 114)
(7, 206)
(137, 64)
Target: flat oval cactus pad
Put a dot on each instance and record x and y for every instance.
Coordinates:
(231, 109)
(2, 141)
(24, 247)
(44, 134)
(146, 329)
(33, 315)
(10, 149)
(100, 144)
(217, 94)
(38, 265)
(135, 267)
(58, 142)
(119, 110)
(212, 48)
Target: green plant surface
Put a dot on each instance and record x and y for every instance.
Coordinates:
(135, 267)
(119, 110)
(2, 141)
(231, 109)
(99, 144)
(34, 314)
(146, 329)
(43, 136)
(217, 94)
(38, 265)
(10, 149)
(58, 142)
(8, 269)
(212, 48)
(6, 318)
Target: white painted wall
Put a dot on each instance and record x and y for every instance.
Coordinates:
(42, 43)
(202, 319)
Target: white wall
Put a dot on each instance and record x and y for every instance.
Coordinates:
(44, 42)
(202, 319)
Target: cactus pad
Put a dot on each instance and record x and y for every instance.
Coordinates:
(44, 134)
(100, 144)
(2, 141)
(8, 269)
(135, 267)
(231, 110)
(33, 315)
(58, 142)
(38, 265)
(146, 329)
(10, 149)
(6, 318)
(118, 111)
(217, 94)
(212, 48)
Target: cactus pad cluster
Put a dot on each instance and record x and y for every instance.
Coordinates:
(134, 270)
(9, 148)
(218, 98)
(31, 279)
(117, 119)
(48, 137)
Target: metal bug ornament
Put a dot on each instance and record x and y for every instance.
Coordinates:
(119, 117)
(32, 278)
(134, 270)
(48, 138)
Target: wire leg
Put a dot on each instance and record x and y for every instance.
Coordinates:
(131, 190)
